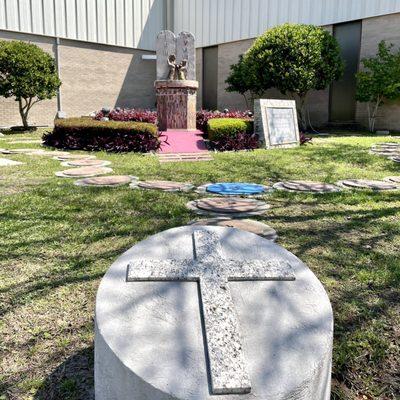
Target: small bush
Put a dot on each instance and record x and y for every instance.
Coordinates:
(203, 116)
(134, 115)
(219, 128)
(113, 136)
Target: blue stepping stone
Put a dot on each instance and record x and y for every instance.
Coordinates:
(235, 188)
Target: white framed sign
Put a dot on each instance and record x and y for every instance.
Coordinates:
(275, 121)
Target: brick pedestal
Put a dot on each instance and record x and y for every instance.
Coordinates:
(176, 104)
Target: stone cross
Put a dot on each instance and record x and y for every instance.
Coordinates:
(181, 46)
(213, 271)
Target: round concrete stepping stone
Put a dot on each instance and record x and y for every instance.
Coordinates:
(167, 186)
(86, 163)
(17, 151)
(106, 181)
(307, 186)
(83, 172)
(228, 206)
(67, 157)
(386, 152)
(249, 225)
(368, 184)
(234, 189)
(395, 159)
(394, 179)
(48, 153)
(387, 144)
(5, 162)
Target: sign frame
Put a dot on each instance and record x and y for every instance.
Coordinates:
(262, 122)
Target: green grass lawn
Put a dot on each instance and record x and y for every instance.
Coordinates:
(57, 241)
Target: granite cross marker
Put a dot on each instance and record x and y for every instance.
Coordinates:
(213, 271)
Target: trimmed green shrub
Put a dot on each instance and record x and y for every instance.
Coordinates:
(293, 58)
(113, 136)
(220, 128)
(28, 74)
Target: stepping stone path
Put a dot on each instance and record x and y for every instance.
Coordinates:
(85, 163)
(48, 153)
(396, 159)
(307, 186)
(249, 225)
(5, 162)
(234, 189)
(67, 157)
(394, 179)
(84, 172)
(167, 186)
(17, 151)
(188, 157)
(228, 207)
(106, 181)
(368, 184)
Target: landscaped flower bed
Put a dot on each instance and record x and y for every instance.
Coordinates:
(113, 136)
(203, 116)
(227, 134)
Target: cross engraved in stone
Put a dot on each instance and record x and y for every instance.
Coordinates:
(213, 271)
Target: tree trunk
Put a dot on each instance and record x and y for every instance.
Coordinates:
(302, 112)
(23, 111)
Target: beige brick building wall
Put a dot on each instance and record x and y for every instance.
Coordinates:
(374, 30)
(92, 76)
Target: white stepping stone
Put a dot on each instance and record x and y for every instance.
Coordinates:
(83, 172)
(192, 313)
(67, 157)
(395, 159)
(106, 181)
(394, 179)
(166, 186)
(368, 184)
(85, 163)
(306, 186)
(5, 162)
(232, 207)
(17, 151)
(249, 225)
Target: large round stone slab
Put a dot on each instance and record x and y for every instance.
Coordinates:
(149, 335)
(235, 207)
(307, 186)
(86, 162)
(67, 157)
(84, 172)
(235, 188)
(249, 225)
(368, 184)
(395, 159)
(167, 186)
(394, 179)
(112, 180)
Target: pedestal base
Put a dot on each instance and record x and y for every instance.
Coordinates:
(176, 104)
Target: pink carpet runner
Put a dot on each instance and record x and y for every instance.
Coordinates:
(181, 141)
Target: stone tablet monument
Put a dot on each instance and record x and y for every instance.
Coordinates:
(191, 313)
(275, 122)
(176, 85)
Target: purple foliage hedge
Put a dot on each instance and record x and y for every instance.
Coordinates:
(112, 136)
(241, 141)
(127, 114)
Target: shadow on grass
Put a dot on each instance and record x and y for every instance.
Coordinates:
(71, 380)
